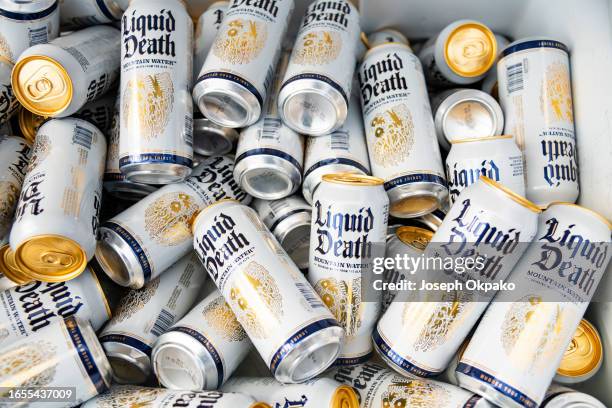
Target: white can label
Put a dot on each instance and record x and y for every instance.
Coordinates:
(14, 158)
(205, 33)
(8, 101)
(84, 13)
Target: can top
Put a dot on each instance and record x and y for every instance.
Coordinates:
(194, 218)
(517, 198)
(29, 123)
(391, 31)
(470, 49)
(42, 85)
(51, 258)
(584, 352)
(344, 397)
(353, 179)
(415, 237)
(481, 139)
(595, 213)
(9, 268)
(387, 44)
(260, 405)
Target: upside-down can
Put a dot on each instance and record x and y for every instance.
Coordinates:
(400, 131)
(56, 221)
(76, 14)
(206, 30)
(14, 158)
(8, 102)
(290, 327)
(156, 139)
(210, 139)
(583, 357)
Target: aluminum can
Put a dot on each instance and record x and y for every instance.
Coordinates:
(538, 109)
(315, 393)
(289, 220)
(384, 36)
(156, 140)
(210, 139)
(527, 333)
(65, 354)
(202, 350)
(315, 91)
(135, 396)
(59, 78)
(497, 157)
(377, 386)
(234, 81)
(75, 14)
(56, 220)
(270, 155)
(400, 131)
(145, 314)
(420, 336)
(8, 102)
(461, 53)
(25, 24)
(583, 357)
(348, 231)
(343, 150)
(558, 396)
(141, 242)
(465, 114)
(14, 158)
(489, 83)
(290, 327)
(206, 30)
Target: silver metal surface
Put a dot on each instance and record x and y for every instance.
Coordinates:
(117, 259)
(156, 173)
(129, 365)
(293, 233)
(267, 177)
(210, 139)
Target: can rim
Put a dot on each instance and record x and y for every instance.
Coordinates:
(352, 179)
(594, 339)
(344, 397)
(377, 47)
(492, 55)
(512, 195)
(595, 213)
(194, 218)
(480, 139)
(414, 236)
(12, 273)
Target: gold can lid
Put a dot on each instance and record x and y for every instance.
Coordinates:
(584, 353)
(344, 397)
(9, 268)
(415, 237)
(260, 405)
(481, 139)
(29, 123)
(42, 85)
(51, 258)
(515, 197)
(353, 179)
(470, 49)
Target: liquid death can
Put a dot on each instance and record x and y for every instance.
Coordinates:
(56, 221)
(14, 158)
(65, 354)
(145, 314)
(289, 220)
(8, 102)
(315, 90)
(497, 157)
(291, 328)
(343, 150)
(238, 71)
(583, 357)
(315, 393)
(58, 78)
(489, 83)
(384, 36)
(210, 139)
(527, 330)
(535, 93)
(202, 350)
(138, 244)
(270, 155)
(205, 32)
(24, 24)
(76, 14)
(400, 131)
(377, 386)
(558, 396)
(348, 231)
(420, 332)
(461, 53)
(156, 139)
(9, 269)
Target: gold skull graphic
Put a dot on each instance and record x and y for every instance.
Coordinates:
(393, 131)
(126, 396)
(220, 317)
(405, 393)
(167, 218)
(32, 364)
(443, 319)
(135, 300)
(317, 48)
(240, 42)
(556, 93)
(343, 299)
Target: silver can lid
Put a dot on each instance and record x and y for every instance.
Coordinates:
(117, 260)
(267, 177)
(210, 139)
(129, 365)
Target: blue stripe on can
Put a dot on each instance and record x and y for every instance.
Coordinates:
(534, 44)
(349, 361)
(271, 152)
(297, 337)
(321, 78)
(337, 160)
(208, 346)
(472, 401)
(29, 16)
(155, 158)
(128, 340)
(285, 216)
(84, 354)
(498, 385)
(233, 78)
(104, 9)
(398, 360)
(134, 245)
(415, 178)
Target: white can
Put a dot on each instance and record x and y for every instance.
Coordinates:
(558, 396)
(56, 221)
(316, 393)
(234, 81)
(138, 244)
(422, 330)
(76, 14)
(66, 354)
(535, 93)
(8, 102)
(14, 158)
(497, 157)
(461, 53)
(145, 314)
(289, 220)
(343, 150)
(377, 387)
(24, 24)
(314, 96)
(520, 342)
(156, 140)
(202, 350)
(400, 132)
(290, 327)
(583, 357)
(59, 78)
(205, 32)
(489, 83)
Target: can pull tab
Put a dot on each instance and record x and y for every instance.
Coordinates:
(57, 258)
(475, 48)
(45, 83)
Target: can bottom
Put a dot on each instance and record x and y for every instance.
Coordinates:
(312, 181)
(210, 139)
(486, 391)
(127, 190)
(416, 199)
(267, 177)
(226, 103)
(129, 365)
(294, 237)
(117, 260)
(156, 173)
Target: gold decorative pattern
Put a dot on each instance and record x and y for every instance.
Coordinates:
(343, 299)
(9, 194)
(126, 396)
(317, 48)
(28, 365)
(167, 218)
(42, 147)
(556, 92)
(241, 42)
(5, 49)
(404, 393)
(220, 317)
(394, 135)
(135, 300)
